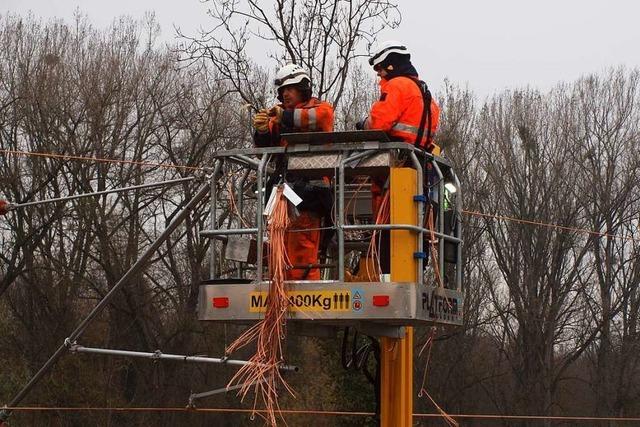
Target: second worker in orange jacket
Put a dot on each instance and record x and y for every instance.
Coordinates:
(405, 111)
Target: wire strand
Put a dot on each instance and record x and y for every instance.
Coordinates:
(549, 225)
(101, 193)
(98, 159)
(309, 412)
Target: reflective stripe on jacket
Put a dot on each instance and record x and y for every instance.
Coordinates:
(311, 116)
(399, 111)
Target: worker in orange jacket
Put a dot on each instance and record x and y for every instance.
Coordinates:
(298, 112)
(400, 111)
(406, 111)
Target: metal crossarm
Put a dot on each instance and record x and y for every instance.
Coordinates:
(142, 261)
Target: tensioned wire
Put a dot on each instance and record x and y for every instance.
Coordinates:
(197, 168)
(310, 412)
(98, 159)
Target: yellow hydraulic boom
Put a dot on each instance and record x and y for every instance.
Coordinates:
(396, 388)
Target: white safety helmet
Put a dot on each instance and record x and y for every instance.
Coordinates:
(290, 74)
(380, 52)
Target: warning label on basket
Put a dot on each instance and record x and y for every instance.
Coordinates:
(339, 300)
(358, 297)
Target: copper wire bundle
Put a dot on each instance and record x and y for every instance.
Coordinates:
(428, 346)
(262, 374)
(433, 249)
(382, 217)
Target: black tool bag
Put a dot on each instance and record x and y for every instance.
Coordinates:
(315, 198)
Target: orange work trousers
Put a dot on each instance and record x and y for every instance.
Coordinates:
(302, 246)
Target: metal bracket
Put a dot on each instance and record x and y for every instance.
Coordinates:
(194, 396)
(380, 330)
(371, 145)
(297, 148)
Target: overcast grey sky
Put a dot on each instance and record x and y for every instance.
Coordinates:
(489, 44)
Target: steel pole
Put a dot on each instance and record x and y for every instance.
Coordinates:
(440, 225)
(196, 396)
(213, 216)
(259, 211)
(240, 205)
(135, 268)
(103, 192)
(458, 233)
(158, 355)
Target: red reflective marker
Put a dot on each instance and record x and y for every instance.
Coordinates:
(220, 302)
(4, 207)
(381, 300)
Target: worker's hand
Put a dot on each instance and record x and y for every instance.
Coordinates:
(261, 121)
(361, 124)
(276, 112)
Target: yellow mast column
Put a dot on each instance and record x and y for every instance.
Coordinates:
(396, 358)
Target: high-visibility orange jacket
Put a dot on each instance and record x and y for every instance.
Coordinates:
(399, 110)
(311, 116)
(302, 244)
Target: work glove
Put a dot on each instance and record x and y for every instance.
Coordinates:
(360, 124)
(276, 112)
(261, 121)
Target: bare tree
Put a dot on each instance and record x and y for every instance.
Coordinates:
(527, 158)
(606, 131)
(111, 95)
(324, 37)
(468, 372)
